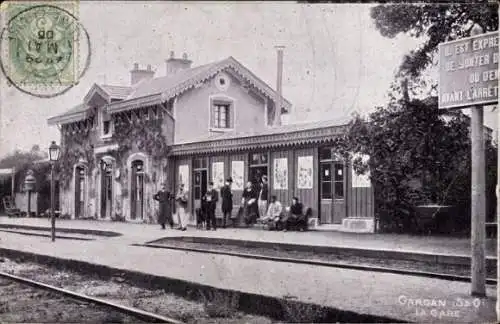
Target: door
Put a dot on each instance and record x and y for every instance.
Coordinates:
(79, 192)
(200, 177)
(137, 190)
(332, 188)
(106, 192)
(257, 167)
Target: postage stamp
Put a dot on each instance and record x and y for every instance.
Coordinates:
(41, 46)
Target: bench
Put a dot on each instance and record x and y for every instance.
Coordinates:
(304, 224)
(10, 207)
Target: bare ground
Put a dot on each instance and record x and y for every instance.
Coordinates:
(19, 304)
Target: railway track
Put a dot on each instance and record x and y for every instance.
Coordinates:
(28, 291)
(364, 265)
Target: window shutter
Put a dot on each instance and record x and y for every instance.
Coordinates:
(230, 115)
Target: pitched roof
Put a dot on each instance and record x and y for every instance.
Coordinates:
(159, 85)
(116, 92)
(290, 128)
(292, 134)
(158, 90)
(76, 113)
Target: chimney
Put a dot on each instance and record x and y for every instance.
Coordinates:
(175, 65)
(279, 90)
(137, 74)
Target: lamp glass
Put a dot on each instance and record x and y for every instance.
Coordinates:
(54, 151)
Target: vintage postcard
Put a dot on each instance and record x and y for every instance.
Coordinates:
(249, 162)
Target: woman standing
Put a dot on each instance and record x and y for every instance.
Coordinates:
(182, 203)
(249, 202)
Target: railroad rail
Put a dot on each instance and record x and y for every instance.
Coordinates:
(372, 268)
(131, 311)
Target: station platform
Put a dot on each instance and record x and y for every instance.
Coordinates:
(395, 296)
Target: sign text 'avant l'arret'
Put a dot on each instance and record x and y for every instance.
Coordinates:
(468, 71)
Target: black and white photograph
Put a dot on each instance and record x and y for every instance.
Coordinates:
(249, 162)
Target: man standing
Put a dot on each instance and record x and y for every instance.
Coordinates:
(210, 198)
(165, 211)
(227, 201)
(182, 203)
(263, 197)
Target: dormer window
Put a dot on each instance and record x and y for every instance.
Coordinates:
(221, 114)
(106, 125)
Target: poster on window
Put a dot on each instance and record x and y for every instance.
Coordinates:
(305, 172)
(184, 176)
(280, 174)
(361, 180)
(237, 173)
(218, 174)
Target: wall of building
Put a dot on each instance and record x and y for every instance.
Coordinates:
(192, 110)
(300, 167)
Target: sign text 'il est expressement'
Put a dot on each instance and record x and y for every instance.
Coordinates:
(468, 71)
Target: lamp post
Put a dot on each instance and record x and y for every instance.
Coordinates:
(54, 151)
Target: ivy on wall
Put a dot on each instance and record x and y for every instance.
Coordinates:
(145, 136)
(75, 146)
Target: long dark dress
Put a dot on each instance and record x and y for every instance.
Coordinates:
(165, 211)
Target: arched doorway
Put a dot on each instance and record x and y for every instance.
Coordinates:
(137, 190)
(106, 188)
(80, 183)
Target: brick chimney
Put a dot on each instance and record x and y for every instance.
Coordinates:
(137, 74)
(174, 65)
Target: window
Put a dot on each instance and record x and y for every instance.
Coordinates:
(332, 175)
(339, 181)
(200, 163)
(106, 125)
(258, 159)
(220, 116)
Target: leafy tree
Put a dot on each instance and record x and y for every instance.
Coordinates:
(416, 157)
(433, 23)
(22, 161)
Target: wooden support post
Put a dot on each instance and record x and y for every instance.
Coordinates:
(478, 204)
(498, 212)
(498, 203)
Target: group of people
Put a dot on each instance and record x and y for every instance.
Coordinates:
(165, 199)
(254, 206)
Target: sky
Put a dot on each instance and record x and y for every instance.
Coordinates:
(335, 61)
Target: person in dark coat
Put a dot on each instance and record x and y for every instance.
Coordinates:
(227, 201)
(210, 199)
(164, 198)
(294, 216)
(249, 202)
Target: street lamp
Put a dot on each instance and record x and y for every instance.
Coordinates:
(54, 151)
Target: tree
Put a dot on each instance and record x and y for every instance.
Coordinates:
(416, 157)
(22, 161)
(433, 23)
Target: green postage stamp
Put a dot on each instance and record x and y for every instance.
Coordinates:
(40, 46)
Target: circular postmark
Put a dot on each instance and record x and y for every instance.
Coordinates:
(44, 49)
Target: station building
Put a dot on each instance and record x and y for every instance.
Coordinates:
(195, 125)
